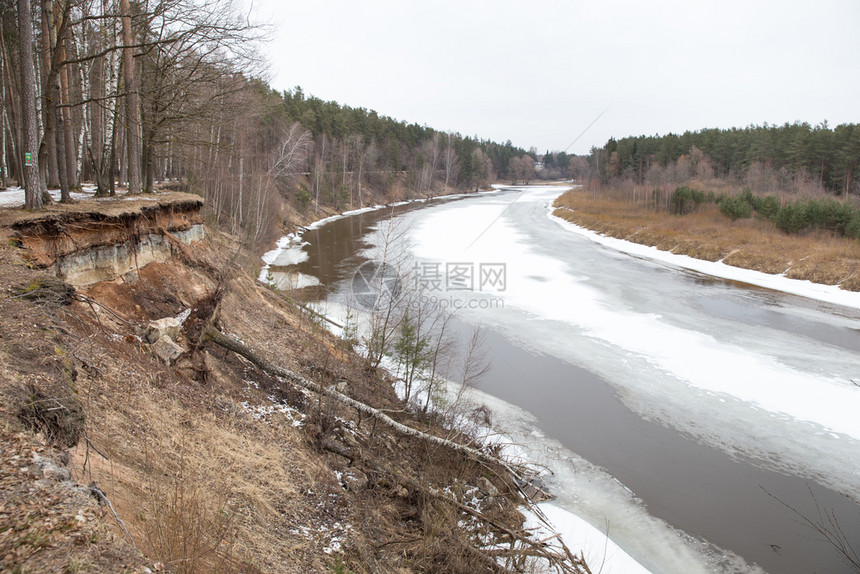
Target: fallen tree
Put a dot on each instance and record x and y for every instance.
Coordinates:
(230, 344)
(563, 560)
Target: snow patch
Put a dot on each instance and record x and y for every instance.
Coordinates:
(827, 293)
(14, 196)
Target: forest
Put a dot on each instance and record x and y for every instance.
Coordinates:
(169, 95)
(794, 157)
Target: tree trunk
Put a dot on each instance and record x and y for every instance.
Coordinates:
(222, 340)
(360, 168)
(48, 115)
(13, 113)
(68, 131)
(32, 184)
(3, 171)
(59, 135)
(132, 105)
(16, 136)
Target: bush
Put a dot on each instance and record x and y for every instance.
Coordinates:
(747, 196)
(768, 206)
(792, 217)
(685, 200)
(735, 207)
(58, 413)
(830, 214)
(853, 229)
(839, 217)
(303, 198)
(836, 216)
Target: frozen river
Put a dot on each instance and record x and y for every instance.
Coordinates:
(694, 418)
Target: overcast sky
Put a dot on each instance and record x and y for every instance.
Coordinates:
(539, 72)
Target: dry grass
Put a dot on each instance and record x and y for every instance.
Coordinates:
(707, 234)
(202, 484)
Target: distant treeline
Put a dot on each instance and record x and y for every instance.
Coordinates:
(388, 145)
(765, 157)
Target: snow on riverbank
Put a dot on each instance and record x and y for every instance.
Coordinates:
(289, 248)
(600, 552)
(826, 293)
(520, 442)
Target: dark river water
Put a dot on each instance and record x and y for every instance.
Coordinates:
(622, 360)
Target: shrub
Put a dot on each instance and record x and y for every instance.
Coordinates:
(747, 196)
(792, 217)
(735, 207)
(303, 198)
(830, 214)
(768, 206)
(57, 413)
(853, 228)
(685, 200)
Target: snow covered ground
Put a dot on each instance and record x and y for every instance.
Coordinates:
(14, 196)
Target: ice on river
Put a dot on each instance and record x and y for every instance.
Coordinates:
(736, 395)
(542, 285)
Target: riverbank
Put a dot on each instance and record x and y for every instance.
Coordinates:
(288, 248)
(708, 235)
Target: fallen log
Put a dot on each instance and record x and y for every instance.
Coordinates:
(575, 564)
(214, 335)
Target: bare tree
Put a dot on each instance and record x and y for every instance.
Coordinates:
(286, 158)
(319, 171)
(515, 170)
(360, 156)
(11, 127)
(577, 168)
(67, 132)
(383, 280)
(528, 164)
(431, 151)
(48, 149)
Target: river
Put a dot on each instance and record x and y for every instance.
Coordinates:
(698, 420)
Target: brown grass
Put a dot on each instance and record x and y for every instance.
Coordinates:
(707, 234)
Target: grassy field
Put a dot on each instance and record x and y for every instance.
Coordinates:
(751, 243)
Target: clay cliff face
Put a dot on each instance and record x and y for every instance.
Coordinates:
(106, 241)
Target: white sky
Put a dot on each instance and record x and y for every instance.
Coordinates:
(539, 72)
